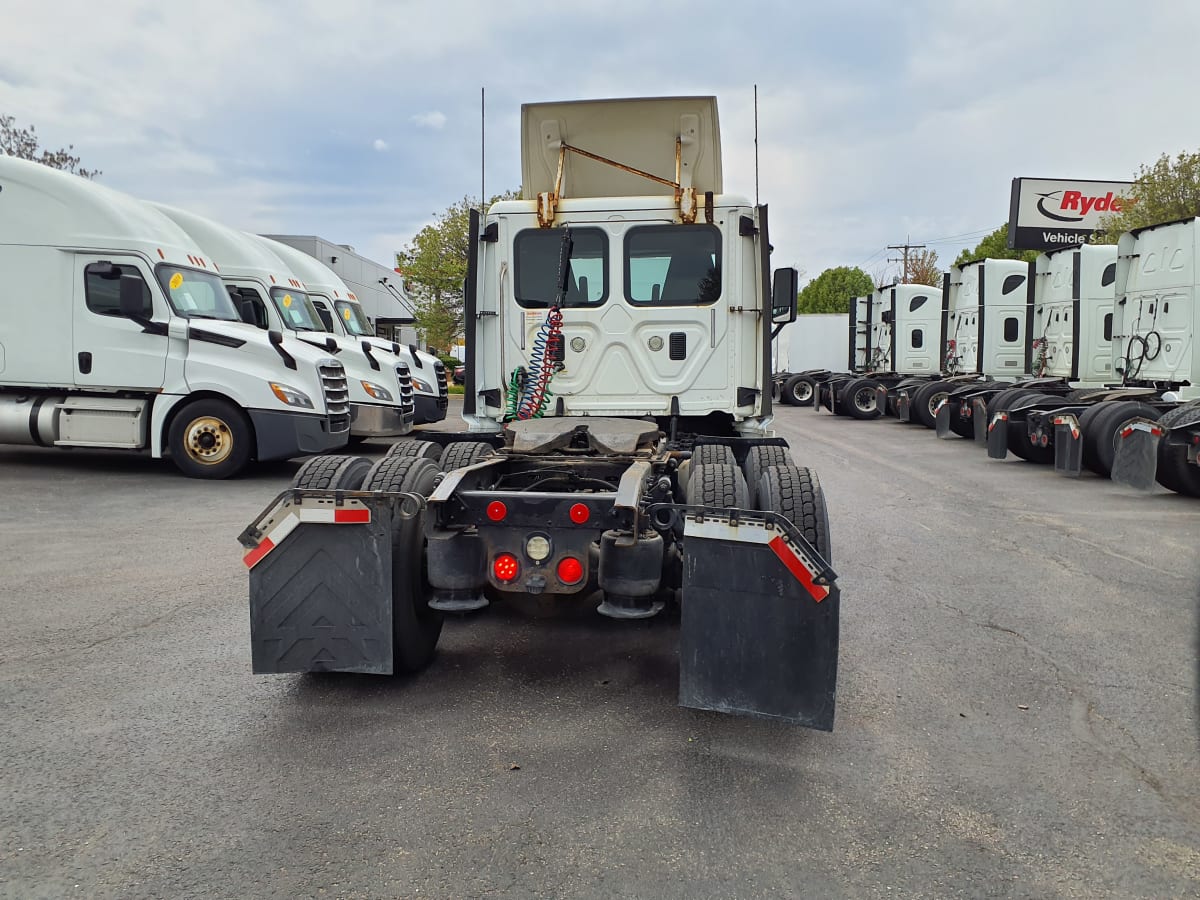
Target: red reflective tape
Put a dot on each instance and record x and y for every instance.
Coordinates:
(351, 515)
(789, 559)
(251, 558)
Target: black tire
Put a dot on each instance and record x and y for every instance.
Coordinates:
(921, 404)
(712, 454)
(718, 486)
(1000, 402)
(1087, 433)
(799, 390)
(1174, 472)
(1104, 428)
(337, 472)
(403, 473)
(415, 627)
(210, 438)
(795, 493)
(1018, 431)
(423, 449)
(464, 453)
(759, 458)
(859, 400)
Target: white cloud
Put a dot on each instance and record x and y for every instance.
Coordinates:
(435, 120)
(380, 144)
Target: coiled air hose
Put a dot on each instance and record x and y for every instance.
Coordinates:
(542, 359)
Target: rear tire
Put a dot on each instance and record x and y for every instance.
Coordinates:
(923, 403)
(760, 458)
(210, 438)
(795, 493)
(718, 486)
(713, 454)
(415, 627)
(464, 453)
(424, 449)
(799, 390)
(1018, 431)
(337, 472)
(1173, 471)
(859, 399)
(1105, 427)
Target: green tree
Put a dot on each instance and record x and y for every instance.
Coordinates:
(23, 144)
(995, 246)
(923, 268)
(832, 290)
(1168, 189)
(434, 266)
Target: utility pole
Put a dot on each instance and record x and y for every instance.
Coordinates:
(906, 247)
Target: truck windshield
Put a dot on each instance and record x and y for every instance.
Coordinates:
(672, 265)
(353, 318)
(296, 309)
(196, 295)
(536, 252)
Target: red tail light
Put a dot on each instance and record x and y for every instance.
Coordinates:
(505, 567)
(579, 513)
(570, 570)
(496, 511)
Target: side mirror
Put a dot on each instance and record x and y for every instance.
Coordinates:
(275, 337)
(785, 287)
(133, 299)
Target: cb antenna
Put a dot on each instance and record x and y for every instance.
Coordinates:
(482, 148)
(756, 145)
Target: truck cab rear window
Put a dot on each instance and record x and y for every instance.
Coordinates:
(673, 265)
(536, 253)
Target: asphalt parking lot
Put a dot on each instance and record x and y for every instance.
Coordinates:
(1016, 710)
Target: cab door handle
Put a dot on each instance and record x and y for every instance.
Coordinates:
(85, 362)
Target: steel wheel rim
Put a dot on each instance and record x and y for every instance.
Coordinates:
(208, 441)
(802, 391)
(869, 403)
(935, 401)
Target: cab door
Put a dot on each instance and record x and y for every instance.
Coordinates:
(110, 350)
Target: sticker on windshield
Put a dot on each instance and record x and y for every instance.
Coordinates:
(346, 314)
(287, 299)
(176, 281)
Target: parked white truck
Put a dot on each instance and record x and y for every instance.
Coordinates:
(618, 326)
(117, 332)
(269, 295)
(344, 314)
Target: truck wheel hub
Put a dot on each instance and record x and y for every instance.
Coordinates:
(208, 441)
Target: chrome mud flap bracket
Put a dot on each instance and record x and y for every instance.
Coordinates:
(903, 407)
(321, 581)
(760, 620)
(942, 419)
(1068, 445)
(1136, 461)
(997, 436)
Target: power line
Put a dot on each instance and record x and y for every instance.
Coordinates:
(906, 247)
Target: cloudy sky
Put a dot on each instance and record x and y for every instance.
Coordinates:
(359, 120)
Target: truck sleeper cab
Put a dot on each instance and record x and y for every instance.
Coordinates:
(343, 314)
(268, 295)
(149, 353)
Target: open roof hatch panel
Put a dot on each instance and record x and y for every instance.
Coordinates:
(640, 133)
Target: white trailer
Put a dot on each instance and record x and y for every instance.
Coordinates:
(618, 326)
(341, 311)
(117, 332)
(269, 295)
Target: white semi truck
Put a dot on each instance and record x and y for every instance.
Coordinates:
(269, 295)
(892, 339)
(341, 311)
(618, 323)
(117, 332)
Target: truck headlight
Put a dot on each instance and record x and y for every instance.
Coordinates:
(421, 385)
(376, 391)
(290, 395)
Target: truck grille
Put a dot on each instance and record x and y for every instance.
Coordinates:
(337, 395)
(443, 389)
(404, 379)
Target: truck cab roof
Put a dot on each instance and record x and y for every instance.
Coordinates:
(235, 254)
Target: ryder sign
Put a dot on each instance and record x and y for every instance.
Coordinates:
(1048, 213)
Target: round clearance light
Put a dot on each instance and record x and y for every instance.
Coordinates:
(579, 513)
(655, 343)
(577, 344)
(537, 548)
(496, 511)
(570, 570)
(505, 567)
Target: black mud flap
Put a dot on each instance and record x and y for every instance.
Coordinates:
(979, 418)
(759, 633)
(997, 436)
(321, 581)
(942, 420)
(903, 404)
(1136, 462)
(881, 397)
(1068, 446)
